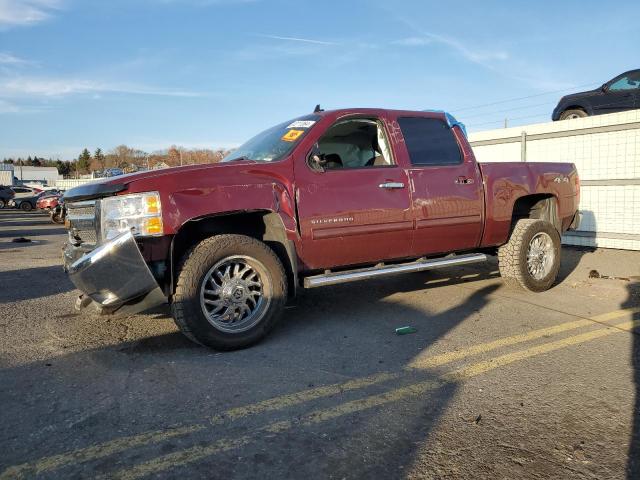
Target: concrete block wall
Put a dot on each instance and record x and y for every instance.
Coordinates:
(606, 151)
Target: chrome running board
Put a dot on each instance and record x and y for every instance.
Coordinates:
(333, 278)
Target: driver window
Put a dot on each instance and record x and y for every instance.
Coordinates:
(628, 82)
(354, 143)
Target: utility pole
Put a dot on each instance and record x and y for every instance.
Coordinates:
(505, 123)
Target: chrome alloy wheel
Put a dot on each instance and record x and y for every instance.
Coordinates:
(235, 293)
(540, 256)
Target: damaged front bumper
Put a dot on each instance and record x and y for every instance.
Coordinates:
(113, 277)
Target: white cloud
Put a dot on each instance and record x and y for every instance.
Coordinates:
(8, 59)
(413, 42)
(10, 108)
(298, 39)
(6, 107)
(52, 87)
(26, 12)
(484, 57)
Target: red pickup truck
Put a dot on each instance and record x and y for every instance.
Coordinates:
(326, 198)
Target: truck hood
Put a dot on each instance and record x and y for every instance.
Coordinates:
(105, 187)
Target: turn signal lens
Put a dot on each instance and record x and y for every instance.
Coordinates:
(153, 205)
(153, 226)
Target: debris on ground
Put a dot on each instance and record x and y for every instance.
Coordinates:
(596, 274)
(405, 330)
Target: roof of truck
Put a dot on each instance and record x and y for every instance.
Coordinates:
(450, 119)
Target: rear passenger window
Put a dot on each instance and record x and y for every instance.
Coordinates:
(429, 141)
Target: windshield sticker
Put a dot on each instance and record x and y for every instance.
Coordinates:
(301, 124)
(292, 135)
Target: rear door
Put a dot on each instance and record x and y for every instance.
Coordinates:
(446, 186)
(357, 210)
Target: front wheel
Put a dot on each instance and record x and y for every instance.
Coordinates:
(57, 216)
(573, 114)
(531, 258)
(26, 206)
(2, 203)
(231, 290)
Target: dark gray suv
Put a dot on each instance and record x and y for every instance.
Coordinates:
(617, 95)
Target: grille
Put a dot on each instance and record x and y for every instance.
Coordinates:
(83, 222)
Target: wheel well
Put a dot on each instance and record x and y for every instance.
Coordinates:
(543, 206)
(262, 225)
(574, 107)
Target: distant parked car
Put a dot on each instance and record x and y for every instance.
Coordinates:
(25, 203)
(113, 172)
(617, 95)
(24, 192)
(48, 201)
(6, 194)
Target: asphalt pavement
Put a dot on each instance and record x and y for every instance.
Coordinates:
(495, 383)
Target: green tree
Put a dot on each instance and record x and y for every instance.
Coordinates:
(84, 161)
(99, 161)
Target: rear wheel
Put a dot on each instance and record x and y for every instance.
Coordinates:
(531, 258)
(2, 203)
(573, 113)
(26, 206)
(231, 291)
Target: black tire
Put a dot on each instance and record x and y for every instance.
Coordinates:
(196, 267)
(513, 256)
(573, 113)
(56, 217)
(26, 206)
(2, 203)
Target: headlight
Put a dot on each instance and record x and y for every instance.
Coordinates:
(139, 212)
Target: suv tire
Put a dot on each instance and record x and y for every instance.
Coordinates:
(230, 292)
(531, 258)
(573, 113)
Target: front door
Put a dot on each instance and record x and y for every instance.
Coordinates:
(446, 184)
(619, 95)
(353, 198)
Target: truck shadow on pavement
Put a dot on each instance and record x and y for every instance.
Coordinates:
(633, 462)
(31, 283)
(335, 336)
(32, 232)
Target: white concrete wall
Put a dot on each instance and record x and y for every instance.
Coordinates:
(6, 177)
(608, 164)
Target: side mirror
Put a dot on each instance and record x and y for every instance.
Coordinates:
(604, 88)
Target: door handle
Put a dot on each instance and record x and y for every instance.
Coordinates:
(464, 180)
(391, 185)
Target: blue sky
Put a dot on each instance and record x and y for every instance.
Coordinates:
(211, 73)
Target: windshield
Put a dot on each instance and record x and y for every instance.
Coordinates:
(275, 142)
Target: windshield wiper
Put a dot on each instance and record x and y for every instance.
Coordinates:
(237, 159)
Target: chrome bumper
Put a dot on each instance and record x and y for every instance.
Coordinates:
(114, 276)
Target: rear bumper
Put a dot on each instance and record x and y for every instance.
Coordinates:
(114, 276)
